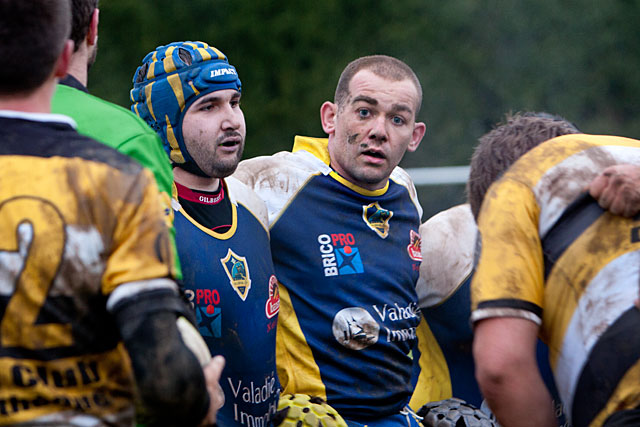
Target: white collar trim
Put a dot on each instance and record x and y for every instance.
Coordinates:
(39, 117)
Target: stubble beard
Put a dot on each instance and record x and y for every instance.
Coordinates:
(365, 173)
(219, 168)
(370, 177)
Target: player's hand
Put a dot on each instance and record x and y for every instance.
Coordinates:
(617, 189)
(212, 372)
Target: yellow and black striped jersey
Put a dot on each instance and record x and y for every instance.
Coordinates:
(550, 254)
(81, 231)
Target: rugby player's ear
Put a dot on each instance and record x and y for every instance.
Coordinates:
(328, 112)
(92, 34)
(419, 129)
(64, 60)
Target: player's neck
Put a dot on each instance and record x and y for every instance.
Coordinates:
(78, 65)
(38, 101)
(195, 182)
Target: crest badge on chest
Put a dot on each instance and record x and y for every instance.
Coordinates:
(377, 218)
(237, 270)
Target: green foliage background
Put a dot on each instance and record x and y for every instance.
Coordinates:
(476, 59)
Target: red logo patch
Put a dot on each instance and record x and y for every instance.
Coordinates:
(273, 303)
(414, 247)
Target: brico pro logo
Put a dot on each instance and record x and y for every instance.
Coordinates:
(206, 304)
(377, 218)
(339, 255)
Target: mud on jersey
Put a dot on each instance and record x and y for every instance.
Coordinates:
(80, 231)
(550, 254)
(122, 130)
(348, 260)
(448, 241)
(448, 244)
(230, 281)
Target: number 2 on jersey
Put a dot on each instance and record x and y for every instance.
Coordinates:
(33, 232)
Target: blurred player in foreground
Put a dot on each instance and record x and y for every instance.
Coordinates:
(88, 306)
(448, 244)
(104, 121)
(554, 263)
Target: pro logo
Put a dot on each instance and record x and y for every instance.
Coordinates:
(339, 256)
(205, 303)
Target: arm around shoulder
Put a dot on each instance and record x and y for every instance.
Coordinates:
(617, 189)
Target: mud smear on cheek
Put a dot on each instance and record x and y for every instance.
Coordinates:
(351, 139)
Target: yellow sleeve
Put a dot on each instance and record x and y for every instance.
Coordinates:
(141, 248)
(510, 269)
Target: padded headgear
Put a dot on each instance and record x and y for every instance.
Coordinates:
(302, 410)
(169, 80)
(454, 412)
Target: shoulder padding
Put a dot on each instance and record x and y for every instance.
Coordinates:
(447, 245)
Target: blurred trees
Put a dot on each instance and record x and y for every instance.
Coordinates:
(476, 59)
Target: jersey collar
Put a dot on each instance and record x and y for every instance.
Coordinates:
(319, 148)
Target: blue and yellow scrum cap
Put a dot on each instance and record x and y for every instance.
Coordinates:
(170, 79)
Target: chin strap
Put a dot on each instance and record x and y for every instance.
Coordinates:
(191, 167)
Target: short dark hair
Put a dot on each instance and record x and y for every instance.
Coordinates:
(82, 11)
(384, 66)
(33, 34)
(501, 147)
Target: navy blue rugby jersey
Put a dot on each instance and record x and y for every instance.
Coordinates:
(230, 281)
(347, 260)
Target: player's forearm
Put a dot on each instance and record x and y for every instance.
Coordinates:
(518, 400)
(169, 378)
(507, 372)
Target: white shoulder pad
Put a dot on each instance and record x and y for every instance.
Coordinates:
(193, 340)
(447, 244)
(277, 178)
(242, 194)
(400, 176)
